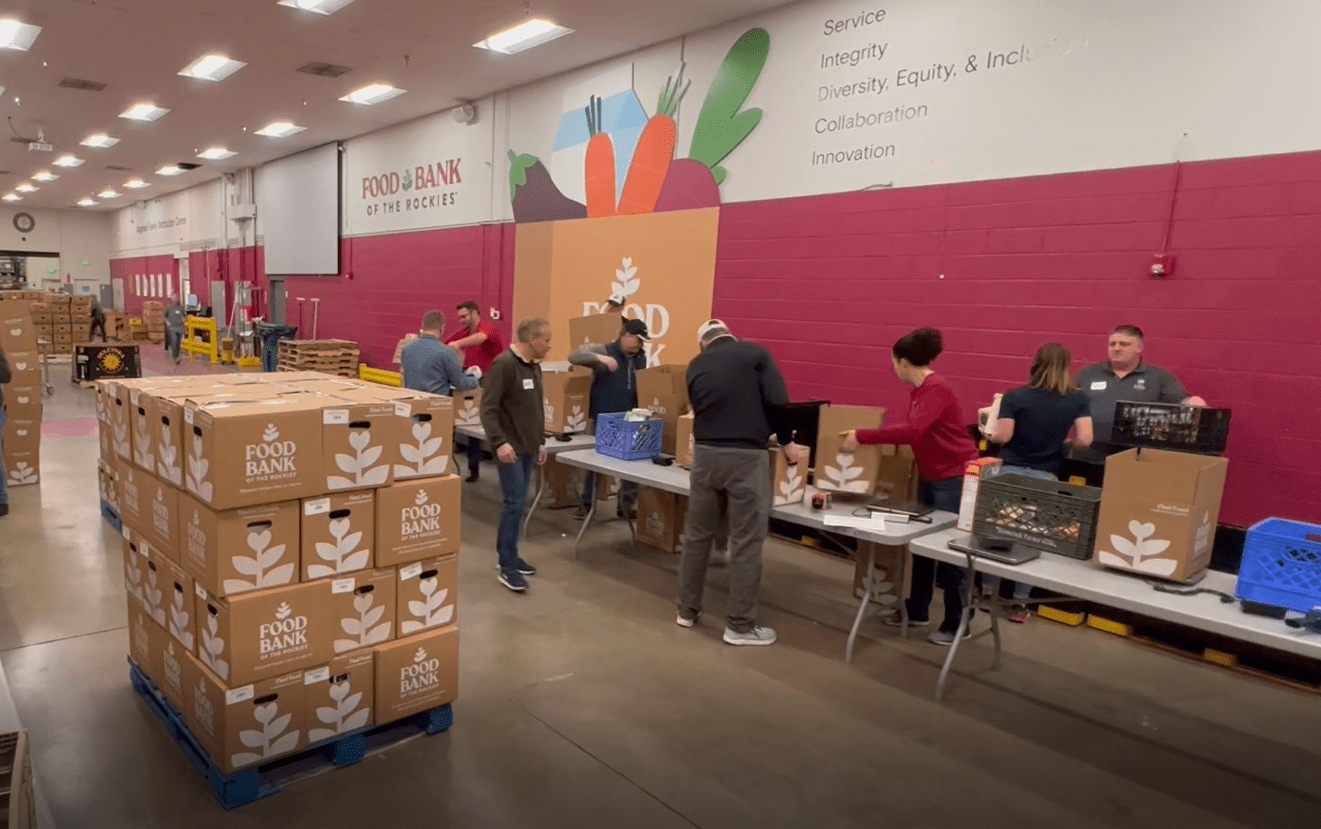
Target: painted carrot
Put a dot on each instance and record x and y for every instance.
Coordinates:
(598, 166)
(653, 154)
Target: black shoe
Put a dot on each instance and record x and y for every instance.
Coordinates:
(631, 515)
(472, 476)
(525, 568)
(513, 580)
(4, 509)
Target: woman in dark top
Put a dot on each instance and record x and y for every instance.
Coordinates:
(942, 448)
(1034, 425)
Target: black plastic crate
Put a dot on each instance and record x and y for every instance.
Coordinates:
(1194, 429)
(1047, 515)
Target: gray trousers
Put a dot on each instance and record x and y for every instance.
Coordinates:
(740, 477)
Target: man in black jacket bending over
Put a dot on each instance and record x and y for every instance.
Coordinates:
(737, 395)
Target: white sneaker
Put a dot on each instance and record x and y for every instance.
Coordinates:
(756, 636)
(684, 622)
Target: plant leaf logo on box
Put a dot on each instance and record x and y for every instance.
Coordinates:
(577, 420)
(791, 488)
(173, 670)
(421, 454)
(360, 465)
(343, 554)
(22, 474)
(141, 636)
(133, 575)
(211, 648)
(167, 457)
(154, 596)
(432, 611)
(1140, 553)
(655, 525)
(261, 566)
(180, 613)
(287, 634)
(197, 469)
(468, 415)
(342, 718)
(843, 477)
(131, 489)
(420, 677)
(364, 628)
(420, 520)
(142, 444)
(267, 741)
(272, 459)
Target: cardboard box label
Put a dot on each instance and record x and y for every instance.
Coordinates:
(338, 534)
(429, 598)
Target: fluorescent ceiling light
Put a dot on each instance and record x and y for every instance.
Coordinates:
(107, 194)
(100, 140)
(17, 36)
(86, 203)
(524, 36)
(171, 170)
(373, 94)
(315, 6)
(143, 112)
(12, 197)
(68, 160)
(216, 154)
(280, 129)
(135, 184)
(26, 188)
(212, 68)
(45, 175)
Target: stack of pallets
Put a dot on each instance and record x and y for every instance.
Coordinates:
(338, 357)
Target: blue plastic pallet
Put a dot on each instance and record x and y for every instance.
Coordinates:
(252, 784)
(113, 517)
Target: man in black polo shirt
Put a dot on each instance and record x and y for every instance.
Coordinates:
(1125, 377)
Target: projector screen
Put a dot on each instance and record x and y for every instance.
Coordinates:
(298, 198)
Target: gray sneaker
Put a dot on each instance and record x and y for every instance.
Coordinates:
(756, 636)
(895, 619)
(946, 638)
(684, 622)
(719, 558)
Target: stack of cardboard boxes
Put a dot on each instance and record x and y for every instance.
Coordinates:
(290, 553)
(153, 320)
(59, 319)
(23, 401)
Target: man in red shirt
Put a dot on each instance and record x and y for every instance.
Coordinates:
(477, 342)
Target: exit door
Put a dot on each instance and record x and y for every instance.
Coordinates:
(275, 303)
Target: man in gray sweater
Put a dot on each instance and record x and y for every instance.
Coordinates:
(513, 416)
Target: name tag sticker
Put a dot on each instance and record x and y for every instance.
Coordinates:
(529, 384)
(1099, 385)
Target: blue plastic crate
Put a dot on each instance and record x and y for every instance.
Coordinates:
(628, 440)
(1282, 565)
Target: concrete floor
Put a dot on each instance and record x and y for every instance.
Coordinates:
(582, 704)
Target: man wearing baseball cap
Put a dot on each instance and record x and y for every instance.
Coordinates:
(737, 394)
(614, 389)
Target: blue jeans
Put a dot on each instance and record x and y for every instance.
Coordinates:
(1008, 587)
(515, 479)
(474, 454)
(4, 473)
(173, 339)
(943, 495)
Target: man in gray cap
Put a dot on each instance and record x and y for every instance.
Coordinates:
(738, 396)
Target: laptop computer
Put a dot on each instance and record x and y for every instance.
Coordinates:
(1006, 552)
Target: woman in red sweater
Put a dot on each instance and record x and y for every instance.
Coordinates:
(942, 446)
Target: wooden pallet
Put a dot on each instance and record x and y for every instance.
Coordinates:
(256, 782)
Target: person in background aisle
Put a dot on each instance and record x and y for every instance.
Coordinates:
(513, 417)
(98, 321)
(1034, 425)
(478, 342)
(4, 417)
(174, 320)
(942, 447)
(614, 389)
(432, 367)
(737, 394)
(1124, 376)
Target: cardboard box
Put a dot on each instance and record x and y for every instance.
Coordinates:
(974, 473)
(238, 551)
(416, 674)
(1159, 511)
(896, 475)
(788, 480)
(180, 607)
(359, 442)
(567, 399)
(156, 581)
(266, 633)
(893, 581)
(64, 328)
(146, 642)
(468, 408)
(338, 534)
(106, 438)
(664, 390)
(840, 471)
(108, 482)
(24, 367)
(249, 452)
(427, 441)
(417, 520)
(598, 329)
(339, 696)
(159, 510)
(363, 609)
(23, 402)
(171, 659)
(427, 595)
(162, 588)
(563, 483)
(683, 441)
(133, 483)
(137, 554)
(661, 517)
(249, 724)
(17, 330)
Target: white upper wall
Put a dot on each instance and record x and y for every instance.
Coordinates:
(77, 236)
(855, 95)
